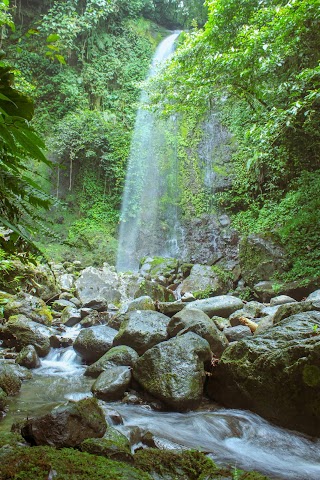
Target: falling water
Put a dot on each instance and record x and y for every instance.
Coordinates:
(149, 212)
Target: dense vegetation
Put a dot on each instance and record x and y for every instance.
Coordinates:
(257, 64)
(254, 65)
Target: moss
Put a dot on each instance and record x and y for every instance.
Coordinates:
(311, 375)
(38, 463)
(113, 445)
(9, 438)
(190, 465)
(3, 399)
(46, 314)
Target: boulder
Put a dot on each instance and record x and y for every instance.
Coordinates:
(32, 307)
(260, 258)
(206, 281)
(221, 323)
(66, 425)
(314, 296)
(288, 309)
(97, 287)
(170, 308)
(173, 371)
(121, 355)
(112, 383)
(95, 318)
(142, 330)
(70, 316)
(141, 303)
(66, 281)
(275, 374)
(192, 320)
(221, 306)
(93, 342)
(236, 333)
(28, 357)
(160, 269)
(10, 380)
(61, 304)
(154, 290)
(19, 332)
(281, 300)
(113, 445)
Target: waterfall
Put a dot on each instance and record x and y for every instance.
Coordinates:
(149, 215)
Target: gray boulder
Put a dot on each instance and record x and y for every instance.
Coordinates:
(221, 306)
(112, 383)
(59, 305)
(192, 320)
(93, 342)
(206, 279)
(142, 330)
(281, 300)
(66, 281)
(121, 355)
(288, 309)
(173, 371)
(19, 332)
(66, 425)
(141, 303)
(314, 296)
(70, 316)
(236, 333)
(113, 445)
(275, 374)
(97, 287)
(28, 357)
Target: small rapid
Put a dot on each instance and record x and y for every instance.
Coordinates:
(238, 438)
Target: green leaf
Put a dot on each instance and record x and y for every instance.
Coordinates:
(53, 37)
(33, 150)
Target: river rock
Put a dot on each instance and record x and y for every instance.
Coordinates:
(19, 332)
(113, 445)
(70, 316)
(281, 300)
(154, 290)
(10, 379)
(193, 320)
(260, 258)
(275, 374)
(142, 330)
(66, 282)
(32, 307)
(66, 425)
(206, 280)
(95, 318)
(221, 306)
(160, 269)
(93, 342)
(121, 355)
(141, 303)
(173, 371)
(314, 296)
(96, 287)
(28, 357)
(288, 309)
(112, 383)
(236, 333)
(170, 308)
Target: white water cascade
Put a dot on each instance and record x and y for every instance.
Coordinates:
(149, 212)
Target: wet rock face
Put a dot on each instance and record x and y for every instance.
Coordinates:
(93, 342)
(142, 330)
(173, 371)
(275, 374)
(19, 332)
(112, 383)
(28, 357)
(260, 259)
(66, 425)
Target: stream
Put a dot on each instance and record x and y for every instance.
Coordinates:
(239, 438)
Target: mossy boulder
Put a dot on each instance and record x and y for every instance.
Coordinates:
(160, 269)
(36, 463)
(261, 258)
(113, 445)
(193, 320)
(275, 374)
(173, 371)
(93, 342)
(32, 307)
(206, 281)
(19, 331)
(70, 316)
(154, 290)
(122, 355)
(10, 379)
(28, 357)
(142, 330)
(141, 303)
(112, 383)
(66, 425)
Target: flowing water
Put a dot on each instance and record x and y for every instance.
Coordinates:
(234, 437)
(149, 209)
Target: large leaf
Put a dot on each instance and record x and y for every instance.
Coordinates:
(16, 104)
